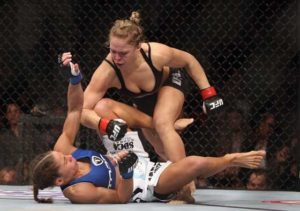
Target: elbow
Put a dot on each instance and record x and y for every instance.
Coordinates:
(124, 201)
(124, 198)
(192, 62)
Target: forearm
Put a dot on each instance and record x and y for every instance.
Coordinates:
(127, 160)
(89, 118)
(125, 190)
(71, 126)
(197, 73)
(75, 97)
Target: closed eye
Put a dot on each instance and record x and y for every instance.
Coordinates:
(121, 53)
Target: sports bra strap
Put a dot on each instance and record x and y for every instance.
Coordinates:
(148, 59)
(117, 71)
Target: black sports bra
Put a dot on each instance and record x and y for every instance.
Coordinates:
(157, 75)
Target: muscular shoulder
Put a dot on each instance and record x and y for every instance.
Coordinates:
(160, 53)
(104, 69)
(105, 74)
(156, 47)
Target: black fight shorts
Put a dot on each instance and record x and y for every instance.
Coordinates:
(178, 79)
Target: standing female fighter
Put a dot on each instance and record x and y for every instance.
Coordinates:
(141, 71)
(87, 176)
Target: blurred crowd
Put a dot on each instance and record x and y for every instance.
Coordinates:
(22, 137)
(279, 170)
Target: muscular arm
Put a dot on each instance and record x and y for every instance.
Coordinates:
(87, 193)
(102, 80)
(164, 55)
(65, 141)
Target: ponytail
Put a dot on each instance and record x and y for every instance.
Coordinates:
(40, 200)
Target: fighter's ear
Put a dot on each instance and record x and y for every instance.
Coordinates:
(139, 45)
(59, 181)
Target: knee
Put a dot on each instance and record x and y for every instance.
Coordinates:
(104, 106)
(197, 163)
(161, 124)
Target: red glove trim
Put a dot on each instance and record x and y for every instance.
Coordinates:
(208, 93)
(103, 125)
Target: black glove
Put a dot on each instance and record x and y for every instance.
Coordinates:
(115, 129)
(211, 101)
(127, 165)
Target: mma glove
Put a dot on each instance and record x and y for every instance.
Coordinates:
(127, 165)
(115, 129)
(211, 102)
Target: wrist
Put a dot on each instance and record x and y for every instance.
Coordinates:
(103, 125)
(76, 75)
(128, 175)
(75, 79)
(208, 92)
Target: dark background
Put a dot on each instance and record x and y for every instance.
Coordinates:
(248, 49)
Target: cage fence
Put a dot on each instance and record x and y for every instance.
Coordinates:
(247, 48)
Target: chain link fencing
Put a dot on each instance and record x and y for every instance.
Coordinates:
(247, 48)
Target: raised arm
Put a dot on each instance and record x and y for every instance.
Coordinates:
(65, 142)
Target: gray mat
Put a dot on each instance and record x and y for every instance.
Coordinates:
(20, 198)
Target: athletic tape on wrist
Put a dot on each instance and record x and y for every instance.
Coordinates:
(75, 79)
(73, 71)
(128, 175)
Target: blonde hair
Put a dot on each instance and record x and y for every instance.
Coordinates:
(128, 29)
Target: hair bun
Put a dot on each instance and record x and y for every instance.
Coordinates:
(135, 17)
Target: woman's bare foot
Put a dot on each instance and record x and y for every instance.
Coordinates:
(180, 124)
(250, 159)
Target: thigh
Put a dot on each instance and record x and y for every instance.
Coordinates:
(169, 105)
(176, 175)
(153, 138)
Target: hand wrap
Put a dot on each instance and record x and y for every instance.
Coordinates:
(75, 77)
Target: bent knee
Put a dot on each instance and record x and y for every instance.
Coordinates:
(104, 106)
(161, 124)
